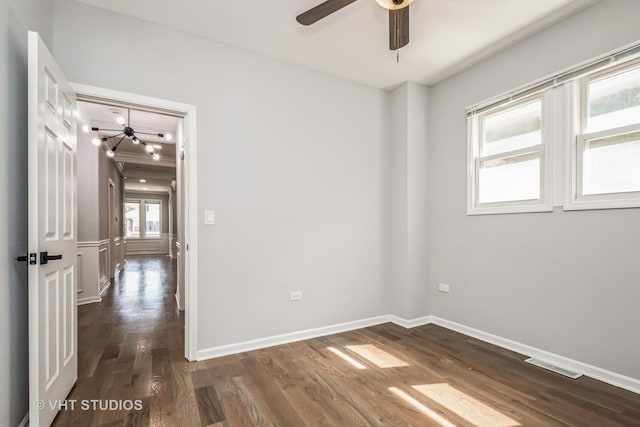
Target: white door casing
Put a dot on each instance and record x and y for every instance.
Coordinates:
(112, 213)
(53, 359)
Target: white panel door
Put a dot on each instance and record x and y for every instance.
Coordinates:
(53, 356)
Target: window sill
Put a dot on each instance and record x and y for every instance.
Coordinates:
(143, 238)
(508, 209)
(579, 205)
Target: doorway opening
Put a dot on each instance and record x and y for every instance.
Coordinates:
(150, 196)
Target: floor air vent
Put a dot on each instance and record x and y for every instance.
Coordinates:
(554, 368)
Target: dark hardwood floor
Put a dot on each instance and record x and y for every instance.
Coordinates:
(131, 347)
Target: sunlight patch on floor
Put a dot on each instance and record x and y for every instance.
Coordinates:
(422, 408)
(346, 358)
(378, 357)
(465, 406)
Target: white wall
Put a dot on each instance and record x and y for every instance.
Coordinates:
(293, 161)
(16, 17)
(566, 282)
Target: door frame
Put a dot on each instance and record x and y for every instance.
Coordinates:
(111, 199)
(188, 112)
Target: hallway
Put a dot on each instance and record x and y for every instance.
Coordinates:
(131, 346)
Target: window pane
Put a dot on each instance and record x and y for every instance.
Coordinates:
(132, 218)
(509, 179)
(612, 165)
(614, 101)
(152, 228)
(513, 129)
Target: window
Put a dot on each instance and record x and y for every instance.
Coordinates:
(570, 140)
(152, 219)
(132, 218)
(508, 147)
(147, 212)
(605, 156)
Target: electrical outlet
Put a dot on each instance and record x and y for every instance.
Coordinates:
(295, 296)
(443, 287)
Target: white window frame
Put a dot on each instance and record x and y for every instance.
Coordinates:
(474, 135)
(142, 235)
(574, 198)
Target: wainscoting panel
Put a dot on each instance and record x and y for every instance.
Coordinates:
(172, 245)
(149, 246)
(123, 253)
(118, 255)
(103, 255)
(88, 272)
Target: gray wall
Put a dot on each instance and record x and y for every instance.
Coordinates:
(293, 161)
(107, 170)
(409, 290)
(88, 201)
(16, 17)
(154, 196)
(566, 282)
(311, 192)
(94, 171)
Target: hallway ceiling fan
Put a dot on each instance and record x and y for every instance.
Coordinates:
(126, 133)
(398, 17)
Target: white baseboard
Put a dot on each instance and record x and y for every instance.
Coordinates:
(134, 252)
(180, 308)
(618, 380)
(88, 300)
(25, 421)
(225, 350)
(105, 287)
(412, 323)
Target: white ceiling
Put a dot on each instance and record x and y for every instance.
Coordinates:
(446, 35)
(103, 114)
(158, 178)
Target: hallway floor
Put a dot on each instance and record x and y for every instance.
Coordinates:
(131, 347)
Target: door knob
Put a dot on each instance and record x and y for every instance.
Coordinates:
(45, 257)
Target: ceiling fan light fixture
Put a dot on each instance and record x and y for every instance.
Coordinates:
(149, 148)
(121, 120)
(394, 4)
(156, 156)
(111, 153)
(135, 140)
(96, 141)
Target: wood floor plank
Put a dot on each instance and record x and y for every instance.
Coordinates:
(131, 346)
(208, 405)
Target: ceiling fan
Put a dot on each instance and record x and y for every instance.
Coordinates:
(398, 17)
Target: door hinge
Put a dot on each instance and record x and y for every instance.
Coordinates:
(32, 258)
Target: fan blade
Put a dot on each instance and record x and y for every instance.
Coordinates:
(321, 11)
(398, 28)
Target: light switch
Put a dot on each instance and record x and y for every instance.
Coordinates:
(209, 217)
